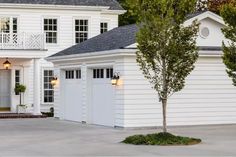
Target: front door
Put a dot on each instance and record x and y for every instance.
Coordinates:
(5, 93)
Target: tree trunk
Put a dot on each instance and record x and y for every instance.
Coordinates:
(20, 99)
(164, 104)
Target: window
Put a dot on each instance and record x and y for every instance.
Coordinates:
(69, 74)
(98, 73)
(50, 28)
(17, 79)
(78, 74)
(81, 31)
(14, 25)
(109, 73)
(103, 27)
(48, 88)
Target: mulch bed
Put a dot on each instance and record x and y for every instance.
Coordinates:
(22, 115)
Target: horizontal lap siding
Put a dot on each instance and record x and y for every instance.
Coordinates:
(208, 97)
(31, 21)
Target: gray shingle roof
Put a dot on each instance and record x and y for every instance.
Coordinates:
(195, 14)
(117, 38)
(113, 4)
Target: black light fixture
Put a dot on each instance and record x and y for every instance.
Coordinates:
(115, 79)
(54, 81)
(6, 64)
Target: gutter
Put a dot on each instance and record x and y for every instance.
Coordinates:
(89, 55)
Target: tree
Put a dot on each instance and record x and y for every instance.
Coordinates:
(130, 17)
(228, 13)
(20, 89)
(167, 50)
(216, 5)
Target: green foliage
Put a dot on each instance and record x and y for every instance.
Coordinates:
(228, 13)
(160, 139)
(20, 88)
(130, 17)
(167, 49)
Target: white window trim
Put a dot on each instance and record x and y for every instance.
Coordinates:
(108, 21)
(11, 21)
(58, 30)
(42, 86)
(73, 26)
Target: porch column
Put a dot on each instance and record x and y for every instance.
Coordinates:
(36, 87)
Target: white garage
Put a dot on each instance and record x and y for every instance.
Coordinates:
(72, 93)
(102, 98)
(208, 98)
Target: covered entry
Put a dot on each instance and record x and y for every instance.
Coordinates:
(5, 93)
(102, 97)
(72, 91)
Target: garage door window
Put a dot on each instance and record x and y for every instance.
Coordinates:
(98, 73)
(78, 74)
(73, 74)
(109, 73)
(70, 74)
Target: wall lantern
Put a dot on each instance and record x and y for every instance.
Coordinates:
(115, 79)
(6, 64)
(54, 81)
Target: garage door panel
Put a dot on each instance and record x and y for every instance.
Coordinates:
(72, 90)
(102, 98)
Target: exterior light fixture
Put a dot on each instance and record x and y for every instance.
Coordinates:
(6, 64)
(54, 81)
(115, 79)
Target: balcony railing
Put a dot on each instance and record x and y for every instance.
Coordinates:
(23, 41)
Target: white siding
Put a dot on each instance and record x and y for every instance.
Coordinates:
(31, 20)
(208, 97)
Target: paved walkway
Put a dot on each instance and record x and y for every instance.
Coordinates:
(50, 137)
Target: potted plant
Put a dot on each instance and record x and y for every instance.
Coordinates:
(20, 89)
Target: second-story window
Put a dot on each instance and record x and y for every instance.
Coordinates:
(81, 30)
(103, 27)
(50, 28)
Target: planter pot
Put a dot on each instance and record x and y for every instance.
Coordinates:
(21, 109)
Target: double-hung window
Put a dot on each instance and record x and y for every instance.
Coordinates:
(81, 30)
(48, 88)
(50, 28)
(103, 27)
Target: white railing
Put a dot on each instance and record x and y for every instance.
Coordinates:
(30, 41)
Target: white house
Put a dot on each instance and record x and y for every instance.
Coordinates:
(84, 92)
(31, 30)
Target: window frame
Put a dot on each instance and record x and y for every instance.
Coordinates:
(102, 28)
(43, 89)
(73, 27)
(58, 30)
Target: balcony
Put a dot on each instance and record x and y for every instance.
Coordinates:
(22, 41)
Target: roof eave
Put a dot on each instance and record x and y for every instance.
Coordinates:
(50, 6)
(90, 54)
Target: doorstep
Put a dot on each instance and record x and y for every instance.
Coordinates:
(18, 116)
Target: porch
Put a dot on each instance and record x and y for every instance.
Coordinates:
(25, 71)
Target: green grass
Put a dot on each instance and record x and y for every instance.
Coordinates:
(160, 139)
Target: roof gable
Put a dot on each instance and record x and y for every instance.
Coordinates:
(203, 15)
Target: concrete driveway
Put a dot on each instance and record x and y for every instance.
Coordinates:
(50, 137)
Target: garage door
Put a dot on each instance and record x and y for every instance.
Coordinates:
(102, 97)
(72, 95)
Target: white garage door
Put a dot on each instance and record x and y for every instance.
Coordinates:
(72, 95)
(102, 97)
